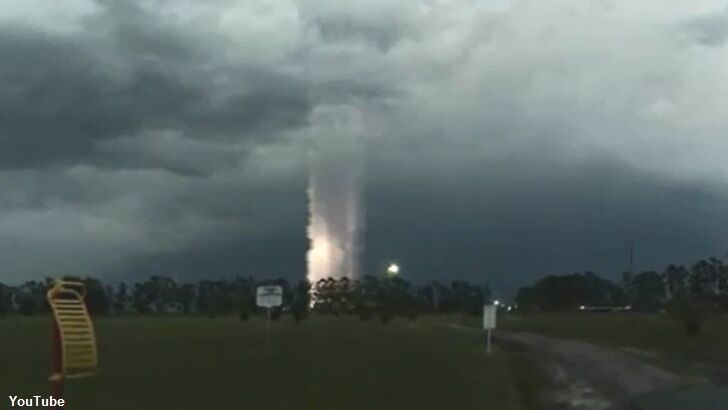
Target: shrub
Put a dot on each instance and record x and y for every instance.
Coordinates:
(686, 311)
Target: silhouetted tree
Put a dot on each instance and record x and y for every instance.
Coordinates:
(569, 292)
(31, 297)
(684, 308)
(208, 298)
(246, 298)
(325, 297)
(121, 300)
(142, 298)
(6, 294)
(676, 277)
(186, 297)
(647, 292)
(97, 300)
(366, 297)
(301, 300)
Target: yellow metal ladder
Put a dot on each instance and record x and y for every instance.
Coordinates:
(75, 330)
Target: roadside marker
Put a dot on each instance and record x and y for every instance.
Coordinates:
(268, 297)
(489, 316)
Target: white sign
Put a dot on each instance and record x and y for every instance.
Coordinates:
(489, 313)
(269, 296)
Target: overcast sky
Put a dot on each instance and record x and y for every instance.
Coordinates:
(503, 140)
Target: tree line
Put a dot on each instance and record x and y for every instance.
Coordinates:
(367, 297)
(688, 293)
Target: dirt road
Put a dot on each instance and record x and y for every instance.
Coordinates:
(590, 376)
(585, 376)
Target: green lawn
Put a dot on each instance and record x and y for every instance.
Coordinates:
(655, 332)
(323, 363)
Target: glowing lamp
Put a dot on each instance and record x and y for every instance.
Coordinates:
(393, 269)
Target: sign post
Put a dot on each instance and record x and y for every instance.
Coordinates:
(268, 297)
(489, 316)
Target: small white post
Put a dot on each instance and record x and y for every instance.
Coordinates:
(268, 297)
(488, 349)
(267, 332)
(489, 319)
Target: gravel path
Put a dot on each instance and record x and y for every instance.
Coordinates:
(615, 374)
(585, 376)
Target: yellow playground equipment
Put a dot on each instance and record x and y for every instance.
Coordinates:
(74, 339)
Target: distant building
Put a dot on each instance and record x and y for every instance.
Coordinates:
(604, 309)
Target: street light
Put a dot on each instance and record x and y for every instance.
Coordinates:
(393, 269)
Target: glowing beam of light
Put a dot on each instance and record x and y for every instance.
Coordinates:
(334, 194)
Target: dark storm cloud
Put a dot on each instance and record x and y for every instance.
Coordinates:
(47, 87)
(510, 222)
(275, 251)
(339, 28)
(711, 30)
(140, 35)
(60, 99)
(238, 256)
(378, 24)
(259, 236)
(343, 92)
(504, 140)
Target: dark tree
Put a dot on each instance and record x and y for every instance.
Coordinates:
(31, 298)
(647, 292)
(121, 300)
(676, 280)
(97, 300)
(567, 292)
(208, 298)
(186, 297)
(6, 295)
(141, 298)
(367, 297)
(301, 300)
(246, 299)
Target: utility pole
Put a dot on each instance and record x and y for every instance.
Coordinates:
(628, 273)
(435, 297)
(630, 257)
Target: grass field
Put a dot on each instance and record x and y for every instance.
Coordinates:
(655, 332)
(323, 363)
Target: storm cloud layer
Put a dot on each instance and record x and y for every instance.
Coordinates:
(502, 140)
